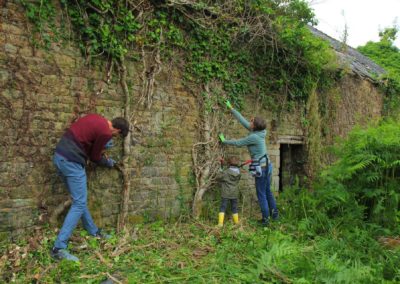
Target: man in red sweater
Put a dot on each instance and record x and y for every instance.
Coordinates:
(84, 140)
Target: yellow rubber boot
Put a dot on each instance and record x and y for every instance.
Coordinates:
(221, 217)
(235, 218)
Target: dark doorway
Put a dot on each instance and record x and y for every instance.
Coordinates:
(292, 161)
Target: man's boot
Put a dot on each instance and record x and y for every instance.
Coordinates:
(61, 254)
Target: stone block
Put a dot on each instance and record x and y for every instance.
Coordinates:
(273, 152)
(17, 40)
(4, 57)
(21, 193)
(64, 61)
(50, 81)
(9, 48)
(4, 77)
(23, 217)
(11, 29)
(79, 84)
(149, 172)
(162, 181)
(26, 51)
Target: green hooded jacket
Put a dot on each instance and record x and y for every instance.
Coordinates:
(255, 141)
(229, 180)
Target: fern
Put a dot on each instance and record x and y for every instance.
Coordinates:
(368, 168)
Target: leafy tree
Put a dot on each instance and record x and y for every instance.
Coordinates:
(386, 54)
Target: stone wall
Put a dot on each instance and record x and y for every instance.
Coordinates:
(43, 91)
(353, 101)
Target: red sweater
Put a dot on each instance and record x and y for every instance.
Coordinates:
(85, 139)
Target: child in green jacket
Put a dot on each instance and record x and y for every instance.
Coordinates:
(229, 180)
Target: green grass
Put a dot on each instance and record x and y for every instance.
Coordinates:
(199, 252)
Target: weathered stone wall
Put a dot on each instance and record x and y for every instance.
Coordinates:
(43, 91)
(353, 101)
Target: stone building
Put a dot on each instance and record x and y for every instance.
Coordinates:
(43, 91)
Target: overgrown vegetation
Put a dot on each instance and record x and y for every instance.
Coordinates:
(261, 48)
(367, 174)
(246, 48)
(200, 253)
(257, 47)
(342, 232)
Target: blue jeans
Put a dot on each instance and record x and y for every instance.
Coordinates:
(74, 177)
(266, 199)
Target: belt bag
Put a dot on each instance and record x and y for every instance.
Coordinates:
(255, 167)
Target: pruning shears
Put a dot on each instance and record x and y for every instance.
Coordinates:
(247, 162)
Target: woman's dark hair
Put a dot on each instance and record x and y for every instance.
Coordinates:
(259, 124)
(121, 124)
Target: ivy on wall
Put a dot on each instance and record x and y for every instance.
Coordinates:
(261, 48)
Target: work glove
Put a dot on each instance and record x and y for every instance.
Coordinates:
(110, 163)
(221, 137)
(228, 104)
(109, 144)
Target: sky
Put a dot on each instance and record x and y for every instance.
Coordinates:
(364, 18)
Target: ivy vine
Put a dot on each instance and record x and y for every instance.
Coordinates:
(258, 47)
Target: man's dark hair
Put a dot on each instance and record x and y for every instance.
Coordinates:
(259, 124)
(121, 124)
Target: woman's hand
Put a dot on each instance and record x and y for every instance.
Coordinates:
(228, 105)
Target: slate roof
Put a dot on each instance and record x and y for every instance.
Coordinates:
(348, 56)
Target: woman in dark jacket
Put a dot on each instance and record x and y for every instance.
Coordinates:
(255, 143)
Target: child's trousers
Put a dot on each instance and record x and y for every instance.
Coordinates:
(224, 204)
